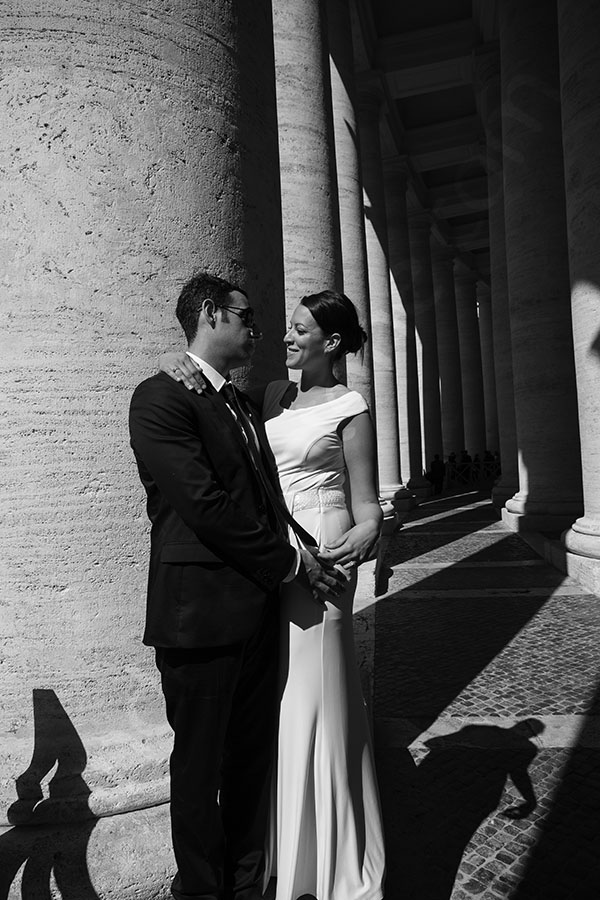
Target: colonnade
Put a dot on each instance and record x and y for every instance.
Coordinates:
(145, 154)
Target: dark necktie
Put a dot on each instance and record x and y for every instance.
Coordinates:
(229, 392)
(281, 511)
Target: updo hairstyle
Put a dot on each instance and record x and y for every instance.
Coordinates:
(335, 313)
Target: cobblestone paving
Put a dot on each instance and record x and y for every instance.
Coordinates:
(485, 693)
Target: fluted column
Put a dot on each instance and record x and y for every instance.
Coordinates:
(580, 77)
(427, 359)
(141, 147)
(487, 69)
(359, 369)
(451, 396)
(311, 240)
(487, 366)
(384, 362)
(470, 358)
(550, 493)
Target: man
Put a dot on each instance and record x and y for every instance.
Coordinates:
(218, 554)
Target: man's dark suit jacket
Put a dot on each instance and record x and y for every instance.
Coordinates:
(215, 554)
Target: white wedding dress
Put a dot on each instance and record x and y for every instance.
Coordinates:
(325, 836)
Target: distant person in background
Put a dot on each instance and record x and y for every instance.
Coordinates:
(438, 471)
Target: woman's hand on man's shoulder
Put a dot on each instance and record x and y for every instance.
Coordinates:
(181, 367)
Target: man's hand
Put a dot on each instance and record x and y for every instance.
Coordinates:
(182, 367)
(322, 579)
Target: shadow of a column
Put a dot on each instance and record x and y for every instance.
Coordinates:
(53, 825)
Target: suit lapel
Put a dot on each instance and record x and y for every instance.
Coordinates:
(224, 413)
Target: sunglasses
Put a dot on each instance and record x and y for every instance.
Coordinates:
(246, 314)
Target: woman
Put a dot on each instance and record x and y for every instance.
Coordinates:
(325, 838)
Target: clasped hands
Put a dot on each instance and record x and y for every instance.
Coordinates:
(327, 570)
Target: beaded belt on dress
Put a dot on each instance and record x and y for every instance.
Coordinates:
(319, 497)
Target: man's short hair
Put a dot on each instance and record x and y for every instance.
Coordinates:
(199, 288)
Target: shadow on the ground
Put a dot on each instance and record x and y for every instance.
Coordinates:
(428, 650)
(434, 809)
(418, 535)
(566, 857)
(51, 816)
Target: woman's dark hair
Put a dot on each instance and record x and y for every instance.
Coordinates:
(335, 313)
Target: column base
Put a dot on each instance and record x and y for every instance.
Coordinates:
(536, 521)
(395, 500)
(584, 569)
(420, 486)
(128, 856)
(389, 515)
(501, 493)
(404, 500)
(583, 538)
(389, 491)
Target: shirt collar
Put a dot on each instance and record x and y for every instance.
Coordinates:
(215, 378)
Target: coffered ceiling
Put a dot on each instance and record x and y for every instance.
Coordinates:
(423, 54)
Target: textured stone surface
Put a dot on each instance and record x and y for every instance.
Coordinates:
(486, 338)
(470, 361)
(308, 193)
(384, 360)
(581, 132)
(427, 352)
(405, 344)
(487, 69)
(115, 858)
(449, 356)
(139, 143)
(539, 295)
(349, 188)
(456, 670)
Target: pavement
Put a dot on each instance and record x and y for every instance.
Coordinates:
(485, 687)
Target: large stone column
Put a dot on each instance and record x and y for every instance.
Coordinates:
(580, 77)
(407, 381)
(140, 143)
(384, 362)
(451, 396)
(550, 493)
(427, 358)
(487, 366)
(487, 70)
(355, 278)
(311, 240)
(470, 358)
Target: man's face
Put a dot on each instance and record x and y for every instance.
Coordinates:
(234, 328)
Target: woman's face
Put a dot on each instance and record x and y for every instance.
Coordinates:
(305, 341)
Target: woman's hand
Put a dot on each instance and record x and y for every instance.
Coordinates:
(354, 546)
(182, 367)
